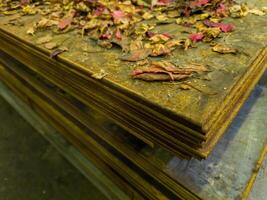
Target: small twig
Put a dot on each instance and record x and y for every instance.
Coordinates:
(200, 90)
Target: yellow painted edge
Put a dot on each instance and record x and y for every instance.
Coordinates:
(254, 175)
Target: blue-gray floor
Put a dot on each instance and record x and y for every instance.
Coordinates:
(31, 169)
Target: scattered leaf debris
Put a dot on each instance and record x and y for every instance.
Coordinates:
(132, 26)
(224, 49)
(100, 75)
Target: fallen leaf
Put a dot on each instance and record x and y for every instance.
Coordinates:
(160, 38)
(136, 45)
(51, 45)
(45, 23)
(44, 39)
(256, 11)
(29, 10)
(223, 49)
(147, 16)
(211, 33)
(221, 10)
(196, 37)
(172, 44)
(105, 44)
(160, 50)
(31, 31)
(64, 23)
(160, 77)
(237, 11)
(99, 75)
(136, 55)
(199, 3)
(24, 2)
(187, 44)
(163, 71)
(162, 18)
(184, 87)
(223, 26)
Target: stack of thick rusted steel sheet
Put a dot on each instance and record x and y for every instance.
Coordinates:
(133, 130)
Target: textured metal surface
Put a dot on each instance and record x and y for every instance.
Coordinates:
(250, 36)
(187, 123)
(226, 173)
(229, 169)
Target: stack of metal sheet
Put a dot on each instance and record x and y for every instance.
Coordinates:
(140, 170)
(185, 122)
(135, 131)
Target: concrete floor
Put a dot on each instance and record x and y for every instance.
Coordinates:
(31, 169)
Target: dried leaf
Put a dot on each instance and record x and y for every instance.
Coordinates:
(256, 11)
(99, 75)
(184, 87)
(134, 25)
(196, 37)
(162, 18)
(43, 40)
(211, 34)
(29, 10)
(187, 44)
(51, 45)
(118, 34)
(199, 3)
(172, 44)
(160, 50)
(222, 10)
(136, 45)
(118, 15)
(239, 10)
(45, 23)
(160, 38)
(105, 44)
(163, 71)
(64, 23)
(223, 26)
(160, 77)
(24, 2)
(137, 55)
(147, 16)
(223, 49)
(31, 31)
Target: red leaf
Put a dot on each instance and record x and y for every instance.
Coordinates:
(221, 11)
(24, 2)
(196, 37)
(136, 55)
(99, 10)
(118, 15)
(164, 2)
(64, 23)
(118, 34)
(223, 26)
(199, 3)
(106, 36)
